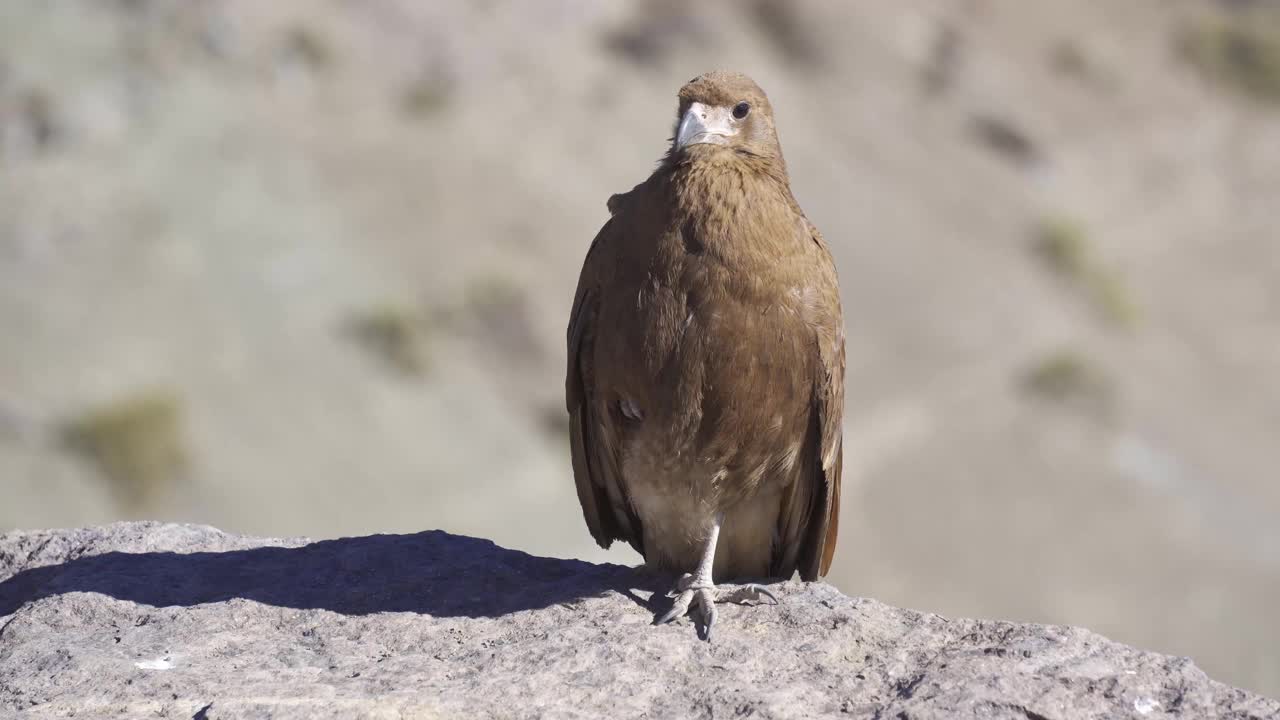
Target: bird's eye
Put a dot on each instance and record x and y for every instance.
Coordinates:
(741, 109)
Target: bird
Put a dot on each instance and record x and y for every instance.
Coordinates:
(705, 363)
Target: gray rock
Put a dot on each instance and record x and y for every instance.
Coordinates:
(146, 619)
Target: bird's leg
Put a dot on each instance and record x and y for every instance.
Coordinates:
(697, 587)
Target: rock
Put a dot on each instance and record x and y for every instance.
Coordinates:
(148, 619)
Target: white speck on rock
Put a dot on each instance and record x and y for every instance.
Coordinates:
(1145, 705)
(157, 664)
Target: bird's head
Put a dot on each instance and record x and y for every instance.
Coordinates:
(724, 110)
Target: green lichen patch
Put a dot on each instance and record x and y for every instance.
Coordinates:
(426, 95)
(309, 47)
(396, 335)
(1064, 247)
(137, 442)
(1241, 52)
(1066, 250)
(1069, 378)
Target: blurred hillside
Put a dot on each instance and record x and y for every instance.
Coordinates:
(304, 268)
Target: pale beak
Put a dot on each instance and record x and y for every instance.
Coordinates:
(702, 124)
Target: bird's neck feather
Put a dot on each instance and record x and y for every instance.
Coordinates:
(732, 202)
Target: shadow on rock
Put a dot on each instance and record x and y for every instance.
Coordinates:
(433, 573)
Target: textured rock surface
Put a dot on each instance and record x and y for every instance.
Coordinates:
(154, 620)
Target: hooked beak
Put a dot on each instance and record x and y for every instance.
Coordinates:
(702, 124)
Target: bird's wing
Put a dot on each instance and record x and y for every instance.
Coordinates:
(593, 435)
(810, 518)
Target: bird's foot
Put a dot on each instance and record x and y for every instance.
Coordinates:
(692, 590)
(699, 592)
(749, 594)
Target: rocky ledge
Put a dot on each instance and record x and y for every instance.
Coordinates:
(155, 620)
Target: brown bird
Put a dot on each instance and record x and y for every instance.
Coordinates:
(705, 379)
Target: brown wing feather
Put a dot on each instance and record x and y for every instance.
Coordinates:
(602, 494)
(810, 519)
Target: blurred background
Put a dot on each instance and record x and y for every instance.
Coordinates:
(304, 268)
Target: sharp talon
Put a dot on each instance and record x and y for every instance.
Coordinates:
(765, 592)
(708, 604)
(678, 608)
(750, 593)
